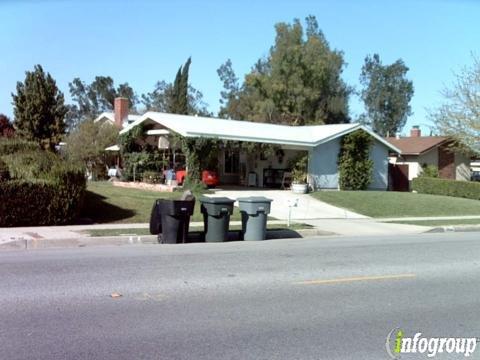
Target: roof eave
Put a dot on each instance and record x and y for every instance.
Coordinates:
(250, 139)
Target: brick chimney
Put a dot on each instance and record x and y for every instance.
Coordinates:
(121, 111)
(415, 132)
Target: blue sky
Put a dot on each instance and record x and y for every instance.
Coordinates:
(144, 41)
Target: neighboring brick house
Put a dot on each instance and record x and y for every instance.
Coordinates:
(418, 151)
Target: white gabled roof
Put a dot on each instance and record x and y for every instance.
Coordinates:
(307, 136)
(110, 116)
(113, 148)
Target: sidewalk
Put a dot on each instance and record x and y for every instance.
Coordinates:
(426, 218)
(75, 231)
(342, 227)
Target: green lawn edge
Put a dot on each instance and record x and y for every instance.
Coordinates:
(391, 204)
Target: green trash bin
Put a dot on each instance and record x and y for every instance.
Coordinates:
(216, 217)
(254, 211)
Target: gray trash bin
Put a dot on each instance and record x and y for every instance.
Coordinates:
(216, 217)
(254, 211)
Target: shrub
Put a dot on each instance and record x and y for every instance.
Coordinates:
(42, 202)
(197, 188)
(435, 186)
(141, 162)
(153, 177)
(44, 190)
(299, 168)
(354, 163)
(28, 165)
(4, 173)
(10, 146)
(430, 171)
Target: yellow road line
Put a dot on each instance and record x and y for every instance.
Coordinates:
(358, 278)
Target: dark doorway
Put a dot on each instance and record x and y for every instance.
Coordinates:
(398, 177)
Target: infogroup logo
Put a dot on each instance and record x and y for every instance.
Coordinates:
(397, 343)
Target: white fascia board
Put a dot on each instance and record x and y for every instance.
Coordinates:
(113, 148)
(105, 116)
(143, 118)
(338, 134)
(133, 124)
(249, 139)
(367, 130)
(381, 139)
(158, 132)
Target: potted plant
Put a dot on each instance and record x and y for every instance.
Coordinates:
(299, 175)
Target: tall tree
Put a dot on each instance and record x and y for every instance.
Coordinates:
(171, 97)
(298, 83)
(179, 94)
(386, 94)
(95, 98)
(6, 127)
(230, 95)
(459, 116)
(98, 136)
(39, 108)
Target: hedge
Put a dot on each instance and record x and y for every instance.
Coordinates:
(27, 165)
(38, 187)
(435, 186)
(14, 145)
(42, 202)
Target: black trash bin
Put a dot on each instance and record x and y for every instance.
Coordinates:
(155, 218)
(216, 217)
(175, 220)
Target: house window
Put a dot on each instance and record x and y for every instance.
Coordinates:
(231, 162)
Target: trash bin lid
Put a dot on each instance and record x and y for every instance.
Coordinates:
(254, 199)
(216, 200)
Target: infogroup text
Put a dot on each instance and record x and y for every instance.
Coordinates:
(397, 343)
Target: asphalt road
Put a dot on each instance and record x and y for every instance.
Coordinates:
(284, 299)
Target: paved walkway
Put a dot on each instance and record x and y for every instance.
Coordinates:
(359, 227)
(74, 231)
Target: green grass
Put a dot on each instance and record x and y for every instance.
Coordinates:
(440, 222)
(383, 204)
(105, 203)
(144, 231)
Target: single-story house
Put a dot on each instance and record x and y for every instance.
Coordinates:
(417, 151)
(321, 142)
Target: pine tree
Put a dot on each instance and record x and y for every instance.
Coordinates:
(39, 108)
(179, 94)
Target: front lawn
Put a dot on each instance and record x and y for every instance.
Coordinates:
(105, 203)
(385, 204)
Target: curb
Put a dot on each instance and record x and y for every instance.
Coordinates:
(444, 229)
(32, 244)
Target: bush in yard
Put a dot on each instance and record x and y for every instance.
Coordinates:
(430, 171)
(4, 173)
(43, 190)
(152, 177)
(10, 146)
(435, 186)
(354, 163)
(28, 165)
(86, 145)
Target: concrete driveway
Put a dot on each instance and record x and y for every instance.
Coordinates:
(320, 214)
(308, 207)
